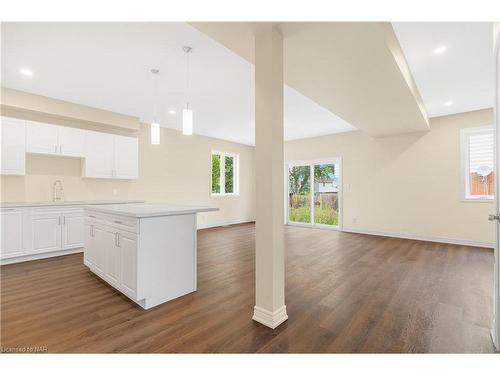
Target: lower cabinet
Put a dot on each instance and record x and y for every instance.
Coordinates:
(112, 254)
(46, 232)
(128, 247)
(72, 229)
(12, 233)
(32, 231)
(150, 260)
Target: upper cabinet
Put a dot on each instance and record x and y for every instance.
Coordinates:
(103, 155)
(126, 157)
(71, 141)
(110, 156)
(13, 134)
(54, 140)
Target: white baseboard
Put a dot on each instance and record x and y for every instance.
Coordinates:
(26, 258)
(225, 223)
(268, 318)
(422, 238)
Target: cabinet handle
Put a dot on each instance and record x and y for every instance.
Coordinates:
(59, 220)
(91, 231)
(118, 239)
(64, 220)
(60, 149)
(92, 216)
(118, 221)
(55, 149)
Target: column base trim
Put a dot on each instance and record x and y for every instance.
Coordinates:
(268, 318)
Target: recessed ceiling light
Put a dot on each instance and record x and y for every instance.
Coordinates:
(439, 50)
(26, 72)
(448, 103)
(172, 111)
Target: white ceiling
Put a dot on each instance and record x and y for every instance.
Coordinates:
(462, 74)
(107, 65)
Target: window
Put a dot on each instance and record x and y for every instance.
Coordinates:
(224, 173)
(478, 163)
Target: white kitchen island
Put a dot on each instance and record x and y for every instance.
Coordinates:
(146, 251)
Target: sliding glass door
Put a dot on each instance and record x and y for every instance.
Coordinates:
(299, 197)
(314, 193)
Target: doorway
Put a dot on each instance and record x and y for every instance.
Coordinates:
(314, 193)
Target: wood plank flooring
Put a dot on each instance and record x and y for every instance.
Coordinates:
(345, 293)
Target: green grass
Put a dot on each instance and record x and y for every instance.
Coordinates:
(321, 215)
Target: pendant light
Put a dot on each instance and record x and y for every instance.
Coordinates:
(155, 125)
(187, 113)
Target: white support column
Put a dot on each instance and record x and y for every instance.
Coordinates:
(270, 308)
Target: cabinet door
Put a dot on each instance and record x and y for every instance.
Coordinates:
(72, 229)
(99, 155)
(71, 141)
(126, 157)
(12, 233)
(101, 240)
(41, 138)
(46, 232)
(127, 243)
(89, 251)
(113, 266)
(13, 144)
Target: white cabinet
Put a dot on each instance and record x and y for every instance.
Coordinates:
(54, 140)
(110, 156)
(95, 237)
(13, 145)
(112, 254)
(12, 233)
(46, 232)
(127, 244)
(99, 155)
(126, 157)
(104, 155)
(72, 229)
(41, 138)
(71, 141)
(150, 260)
(56, 229)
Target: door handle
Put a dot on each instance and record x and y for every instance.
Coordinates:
(493, 217)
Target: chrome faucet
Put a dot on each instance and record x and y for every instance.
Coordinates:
(57, 190)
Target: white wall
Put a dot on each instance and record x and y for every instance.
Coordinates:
(407, 184)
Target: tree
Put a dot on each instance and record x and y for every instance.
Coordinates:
(323, 172)
(299, 180)
(215, 173)
(299, 176)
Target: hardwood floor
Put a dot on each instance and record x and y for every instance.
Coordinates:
(344, 293)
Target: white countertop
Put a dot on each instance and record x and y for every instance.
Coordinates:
(66, 203)
(149, 209)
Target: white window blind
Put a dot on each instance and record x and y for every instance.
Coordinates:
(481, 150)
(478, 166)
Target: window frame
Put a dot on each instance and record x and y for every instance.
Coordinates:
(222, 174)
(465, 134)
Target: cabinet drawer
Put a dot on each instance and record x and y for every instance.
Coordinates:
(119, 223)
